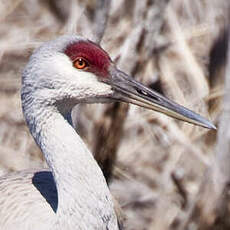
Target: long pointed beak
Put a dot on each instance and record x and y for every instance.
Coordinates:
(128, 90)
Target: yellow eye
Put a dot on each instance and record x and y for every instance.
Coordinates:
(80, 63)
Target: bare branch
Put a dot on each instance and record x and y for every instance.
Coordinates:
(100, 18)
(60, 8)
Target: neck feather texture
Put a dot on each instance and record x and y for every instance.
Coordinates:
(84, 201)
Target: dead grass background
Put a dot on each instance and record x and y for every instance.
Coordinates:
(161, 161)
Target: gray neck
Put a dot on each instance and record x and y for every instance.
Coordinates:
(84, 200)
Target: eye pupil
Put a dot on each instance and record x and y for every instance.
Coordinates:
(80, 62)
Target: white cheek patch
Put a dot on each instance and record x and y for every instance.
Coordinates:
(78, 79)
(90, 80)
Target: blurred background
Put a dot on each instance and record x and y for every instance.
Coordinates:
(154, 164)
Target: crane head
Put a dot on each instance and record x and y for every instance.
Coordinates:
(72, 70)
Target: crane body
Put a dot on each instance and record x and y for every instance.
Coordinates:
(72, 193)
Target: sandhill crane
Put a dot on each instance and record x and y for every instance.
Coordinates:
(73, 193)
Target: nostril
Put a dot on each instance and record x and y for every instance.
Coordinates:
(146, 94)
(141, 92)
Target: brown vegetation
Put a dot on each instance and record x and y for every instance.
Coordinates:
(168, 45)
